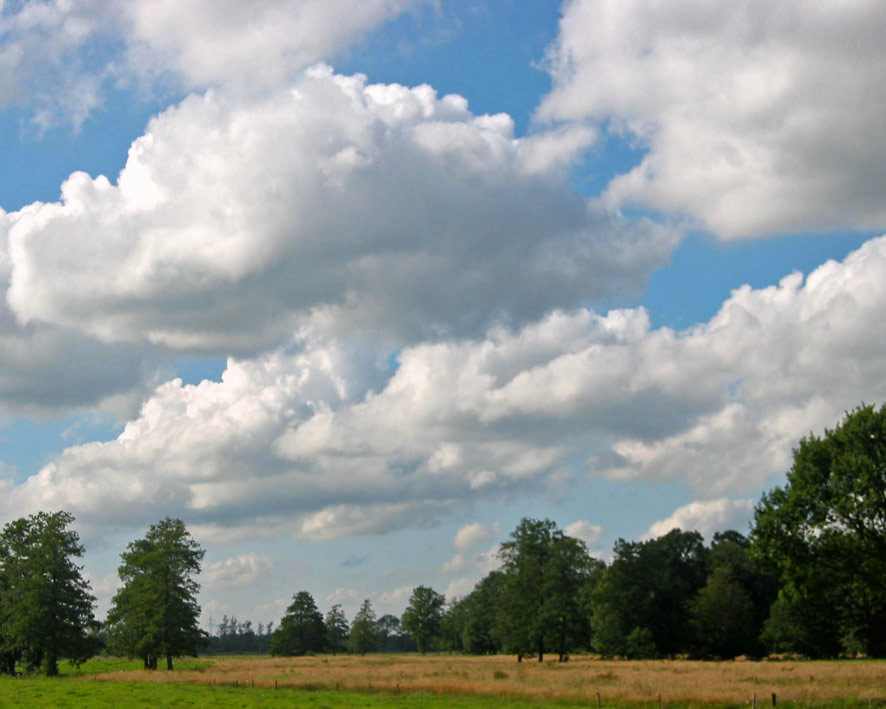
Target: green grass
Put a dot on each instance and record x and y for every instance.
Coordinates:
(73, 694)
(69, 693)
(103, 665)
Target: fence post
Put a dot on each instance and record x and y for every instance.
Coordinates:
(754, 701)
(598, 701)
(773, 699)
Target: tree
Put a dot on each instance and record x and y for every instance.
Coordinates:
(301, 630)
(423, 615)
(544, 571)
(723, 616)
(824, 534)
(470, 624)
(337, 629)
(729, 612)
(566, 573)
(45, 604)
(364, 630)
(649, 586)
(155, 613)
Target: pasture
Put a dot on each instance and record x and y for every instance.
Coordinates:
(415, 682)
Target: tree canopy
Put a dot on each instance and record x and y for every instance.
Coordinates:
(45, 604)
(337, 629)
(364, 629)
(543, 573)
(301, 630)
(647, 591)
(155, 613)
(824, 533)
(423, 615)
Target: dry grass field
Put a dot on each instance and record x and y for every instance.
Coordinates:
(580, 679)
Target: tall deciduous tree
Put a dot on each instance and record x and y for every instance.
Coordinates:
(544, 571)
(155, 613)
(45, 604)
(423, 615)
(301, 630)
(824, 532)
(364, 629)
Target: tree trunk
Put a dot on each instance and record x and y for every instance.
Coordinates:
(50, 664)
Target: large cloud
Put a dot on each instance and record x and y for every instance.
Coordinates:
(330, 202)
(57, 56)
(47, 369)
(250, 45)
(319, 441)
(758, 116)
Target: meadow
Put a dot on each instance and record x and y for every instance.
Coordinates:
(436, 681)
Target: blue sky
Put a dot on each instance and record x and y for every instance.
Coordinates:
(400, 321)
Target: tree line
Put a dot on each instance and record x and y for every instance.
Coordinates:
(810, 578)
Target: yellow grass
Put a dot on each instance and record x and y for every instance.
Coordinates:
(580, 678)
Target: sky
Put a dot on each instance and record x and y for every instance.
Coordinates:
(353, 288)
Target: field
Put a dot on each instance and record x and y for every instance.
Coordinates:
(437, 681)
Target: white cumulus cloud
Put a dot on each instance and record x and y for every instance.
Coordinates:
(590, 534)
(237, 571)
(59, 57)
(706, 517)
(332, 204)
(250, 45)
(319, 440)
(757, 117)
(471, 535)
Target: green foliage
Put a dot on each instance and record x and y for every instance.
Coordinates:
(155, 613)
(301, 630)
(45, 604)
(723, 617)
(364, 630)
(640, 644)
(544, 571)
(337, 630)
(471, 622)
(650, 585)
(423, 615)
(824, 534)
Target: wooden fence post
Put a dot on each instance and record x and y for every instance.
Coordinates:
(773, 699)
(754, 701)
(598, 701)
